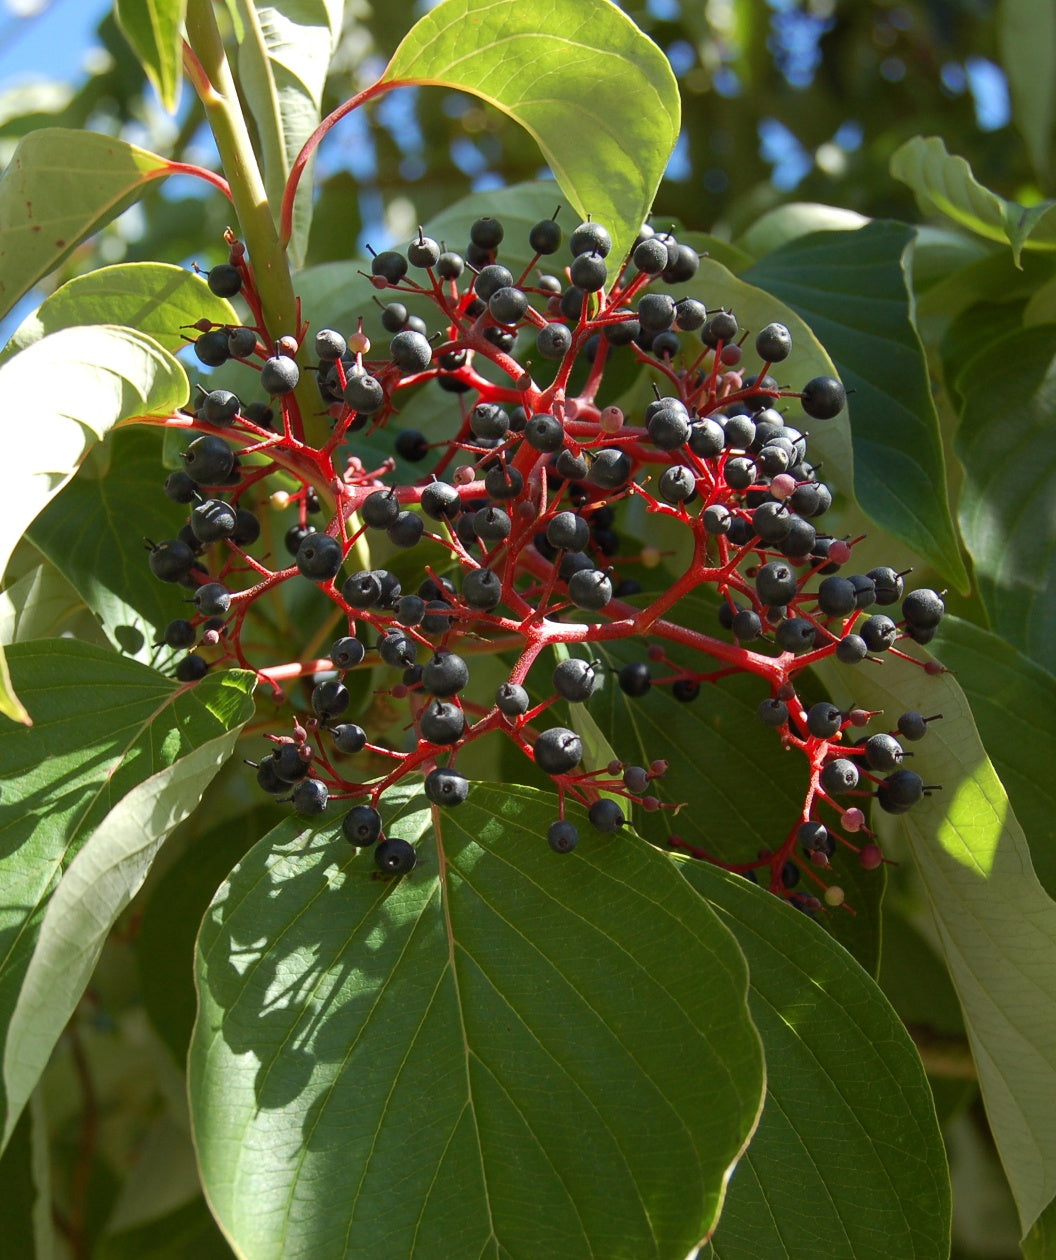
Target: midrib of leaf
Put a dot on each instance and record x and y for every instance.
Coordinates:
(445, 904)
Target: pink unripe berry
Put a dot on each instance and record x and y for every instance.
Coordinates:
(782, 486)
(463, 475)
(852, 820)
(650, 803)
(840, 551)
(870, 857)
(359, 343)
(731, 355)
(658, 768)
(611, 420)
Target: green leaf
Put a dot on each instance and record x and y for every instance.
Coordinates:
(581, 60)
(152, 27)
(85, 532)
(547, 1054)
(1040, 1242)
(1026, 36)
(164, 944)
(95, 376)
(43, 605)
(848, 1105)
(795, 219)
(1014, 705)
(944, 184)
(156, 299)
(184, 1232)
(117, 756)
(284, 52)
(1007, 444)
(60, 187)
(25, 1186)
(852, 289)
(995, 924)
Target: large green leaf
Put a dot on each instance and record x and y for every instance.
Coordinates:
(1014, 705)
(284, 52)
(597, 95)
(847, 1106)
(60, 187)
(86, 532)
(851, 288)
(508, 1052)
(995, 924)
(1026, 34)
(944, 184)
(152, 27)
(157, 299)
(1007, 444)
(70, 389)
(117, 756)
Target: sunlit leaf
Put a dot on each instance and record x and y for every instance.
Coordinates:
(60, 187)
(995, 924)
(550, 1054)
(579, 75)
(944, 184)
(157, 299)
(117, 756)
(72, 387)
(152, 27)
(284, 53)
(1014, 705)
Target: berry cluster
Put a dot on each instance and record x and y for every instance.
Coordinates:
(511, 537)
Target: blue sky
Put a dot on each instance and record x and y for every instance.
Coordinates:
(50, 45)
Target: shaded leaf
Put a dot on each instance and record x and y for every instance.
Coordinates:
(847, 1102)
(1040, 1242)
(720, 762)
(549, 1054)
(156, 299)
(60, 187)
(152, 27)
(117, 756)
(852, 290)
(1007, 444)
(1026, 36)
(944, 184)
(93, 532)
(1014, 706)
(25, 1186)
(577, 59)
(284, 52)
(165, 942)
(95, 376)
(184, 1232)
(994, 921)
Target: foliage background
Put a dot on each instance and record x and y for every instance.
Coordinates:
(783, 103)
